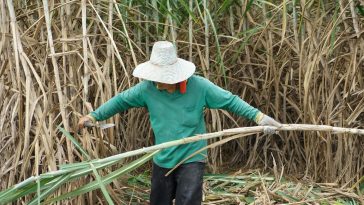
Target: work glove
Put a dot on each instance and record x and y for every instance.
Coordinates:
(83, 121)
(265, 120)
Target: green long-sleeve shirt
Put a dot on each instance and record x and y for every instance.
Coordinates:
(174, 115)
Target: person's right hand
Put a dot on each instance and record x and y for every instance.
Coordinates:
(83, 121)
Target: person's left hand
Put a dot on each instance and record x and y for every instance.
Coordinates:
(268, 121)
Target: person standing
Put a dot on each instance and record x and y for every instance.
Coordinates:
(175, 99)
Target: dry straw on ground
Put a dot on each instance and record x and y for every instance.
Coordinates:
(298, 61)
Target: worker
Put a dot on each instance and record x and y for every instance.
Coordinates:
(175, 99)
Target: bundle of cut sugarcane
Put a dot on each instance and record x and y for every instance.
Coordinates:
(47, 183)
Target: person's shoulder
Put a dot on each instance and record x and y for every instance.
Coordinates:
(141, 86)
(199, 79)
(144, 83)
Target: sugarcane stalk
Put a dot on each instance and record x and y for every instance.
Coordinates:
(227, 132)
(73, 170)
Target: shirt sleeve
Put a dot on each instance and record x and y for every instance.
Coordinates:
(218, 98)
(132, 97)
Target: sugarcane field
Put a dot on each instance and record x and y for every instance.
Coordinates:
(182, 102)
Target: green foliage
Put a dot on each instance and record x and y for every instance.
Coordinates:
(360, 9)
(249, 199)
(345, 202)
(142, 179)
(361, 187)
(75, 142)
(105, 179)
(48, 183)
(248, 7)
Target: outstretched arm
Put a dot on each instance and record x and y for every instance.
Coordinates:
(133, 97)
(219, 98)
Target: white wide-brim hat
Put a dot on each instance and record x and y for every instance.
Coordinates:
(164, 66)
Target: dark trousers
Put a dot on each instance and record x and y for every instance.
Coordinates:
(184, 184)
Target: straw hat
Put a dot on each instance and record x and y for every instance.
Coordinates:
(164, 66)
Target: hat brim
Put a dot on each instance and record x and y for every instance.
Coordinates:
(169, 74)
